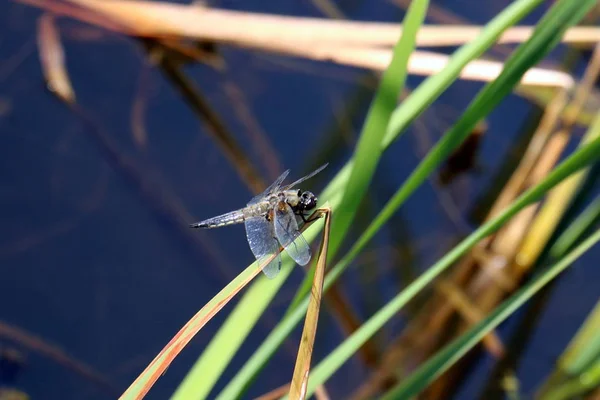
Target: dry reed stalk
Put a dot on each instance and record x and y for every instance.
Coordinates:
(595, 395)
(480, 286)
(351, 43)
(525, 236)
(439, 312)
(561, 196)
(299, 383)
(471, 313)
(164, 19)
(52, 58)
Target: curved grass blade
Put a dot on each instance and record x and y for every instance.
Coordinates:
(406, 112)
(437, 84)
(577, 228)
(373, 132)
(140, 387)
(546, 36)
(234, 389)
(206, 371)
(426, 93)
(451, 353)
(575, 388)
(257, 299)
(302, 368)
(584, 349)
(574, 373)
(215, 357)
(161, 362)
(368, 150)
(579, 159)
(553, 209)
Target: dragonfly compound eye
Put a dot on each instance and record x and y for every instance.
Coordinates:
(308, 201)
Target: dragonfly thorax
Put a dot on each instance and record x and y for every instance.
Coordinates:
(297, 199)
(292, 197)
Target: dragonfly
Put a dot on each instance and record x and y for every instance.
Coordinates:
(271, 219)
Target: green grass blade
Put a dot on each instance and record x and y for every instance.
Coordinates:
(206, 371)
(579, 159)
(148, 377)
(578, 369)
(555, 208)
(431, 88)
(434, 86)
(576, 387)
(368, 150)
(577, 228)
(558, 19)
(585, 346)
(584, 349)
(439, 83)
(234, 389)
(451, 353)
(546, 35)
(407, 111)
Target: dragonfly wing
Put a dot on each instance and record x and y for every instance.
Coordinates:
(274, 186)
(271, 270)
(263, 244)
(316, 171)
(286, 230)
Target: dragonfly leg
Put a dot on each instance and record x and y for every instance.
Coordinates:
(301, 214)
(312, 218)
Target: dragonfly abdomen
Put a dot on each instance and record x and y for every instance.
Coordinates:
(231, 218)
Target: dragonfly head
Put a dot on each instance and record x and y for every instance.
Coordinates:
(307, 201)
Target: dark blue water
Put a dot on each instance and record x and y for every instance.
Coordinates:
(95, 255)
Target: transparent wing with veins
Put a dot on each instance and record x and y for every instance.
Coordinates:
(299, 181)
(290, 238)
(273, 188)
(262, 241)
